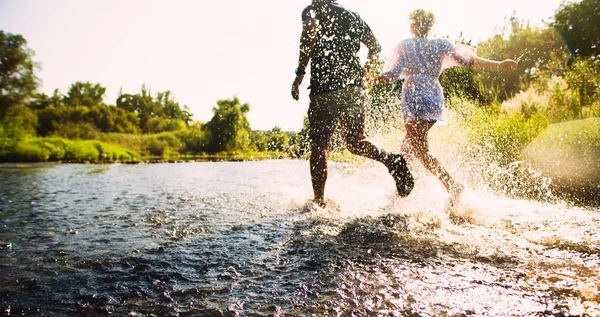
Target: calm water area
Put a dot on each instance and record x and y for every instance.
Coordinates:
(243, 239)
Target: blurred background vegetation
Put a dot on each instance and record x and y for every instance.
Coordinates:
(499, 113)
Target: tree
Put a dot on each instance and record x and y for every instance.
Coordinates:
(579, 24)
(538, 50)
(85, 94)
(229, 129)
(41, 101)
(155, 114)
(17, 79)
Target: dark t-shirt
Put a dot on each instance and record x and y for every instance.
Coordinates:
(334, 61)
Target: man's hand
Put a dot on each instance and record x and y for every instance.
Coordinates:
(296, 87)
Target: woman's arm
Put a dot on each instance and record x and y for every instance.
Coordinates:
(382, 80)
(507, 64)
(392, 68)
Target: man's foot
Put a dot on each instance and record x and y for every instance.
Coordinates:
(397, 166)
(320, 202)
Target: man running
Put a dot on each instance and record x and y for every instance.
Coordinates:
(331, 38)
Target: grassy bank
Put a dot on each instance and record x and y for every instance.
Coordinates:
(524, 148)
(54, 149)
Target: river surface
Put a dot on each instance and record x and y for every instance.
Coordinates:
(243, 239)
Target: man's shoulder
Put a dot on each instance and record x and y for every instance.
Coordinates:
(334, 9)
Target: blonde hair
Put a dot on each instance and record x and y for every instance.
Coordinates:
(422, 20)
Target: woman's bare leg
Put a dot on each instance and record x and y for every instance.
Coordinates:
(416, 143)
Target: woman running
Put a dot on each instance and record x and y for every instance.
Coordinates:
(420, 61)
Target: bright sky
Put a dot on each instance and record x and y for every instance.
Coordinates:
(205, 50)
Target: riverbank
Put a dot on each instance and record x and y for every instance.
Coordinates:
(60, 150)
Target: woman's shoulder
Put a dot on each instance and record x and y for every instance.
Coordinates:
(441, 42)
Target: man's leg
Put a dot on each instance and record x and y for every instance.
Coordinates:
(352, 119)
(416, 139)
(321, 126)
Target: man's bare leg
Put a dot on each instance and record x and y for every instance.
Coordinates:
(353, 125)
(318, 170)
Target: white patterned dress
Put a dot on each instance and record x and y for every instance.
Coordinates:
(420, 62)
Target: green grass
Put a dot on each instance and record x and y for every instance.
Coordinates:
(37, 149)
(568, 152)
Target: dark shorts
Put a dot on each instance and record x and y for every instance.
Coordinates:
(346, 106)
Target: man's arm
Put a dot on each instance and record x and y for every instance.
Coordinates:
(374, 50)
(307, 44)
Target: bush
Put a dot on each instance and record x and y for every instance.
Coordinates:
(129, 141)
(193, 139)
(82, 151)
(493, 145)
(56, 147)
(70, 130)
(568, 153)
(10, 136)
(29, 152)
(154, 146)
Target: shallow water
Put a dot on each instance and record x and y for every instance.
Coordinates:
(242, 239)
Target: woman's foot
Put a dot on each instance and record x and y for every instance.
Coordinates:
(456, 190)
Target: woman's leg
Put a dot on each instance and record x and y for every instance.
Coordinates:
(415, 141)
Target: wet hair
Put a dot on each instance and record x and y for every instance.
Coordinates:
(422, 20)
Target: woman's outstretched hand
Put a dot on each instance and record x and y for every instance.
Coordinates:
(508, 64)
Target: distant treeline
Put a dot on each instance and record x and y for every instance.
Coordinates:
(78, 125)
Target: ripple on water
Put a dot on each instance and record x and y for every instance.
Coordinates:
(184, 239)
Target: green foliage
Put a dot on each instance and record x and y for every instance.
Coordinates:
(229, 129)
(554, 99)
(41, 100)
(271, 141)
(157, 114)
(61, 119)
(579, 24)
(84, 94)
(10, 136)
(158, 125)
(17, 79)
(538, 50)
(569, 146)
(583, 76)
(569, 153)
(194, 139)
(28, 152)
(154, 146)
(459, 82)
(22, 117)
(35, 149)
(492, 148)
(76, 131)
(501, 138)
